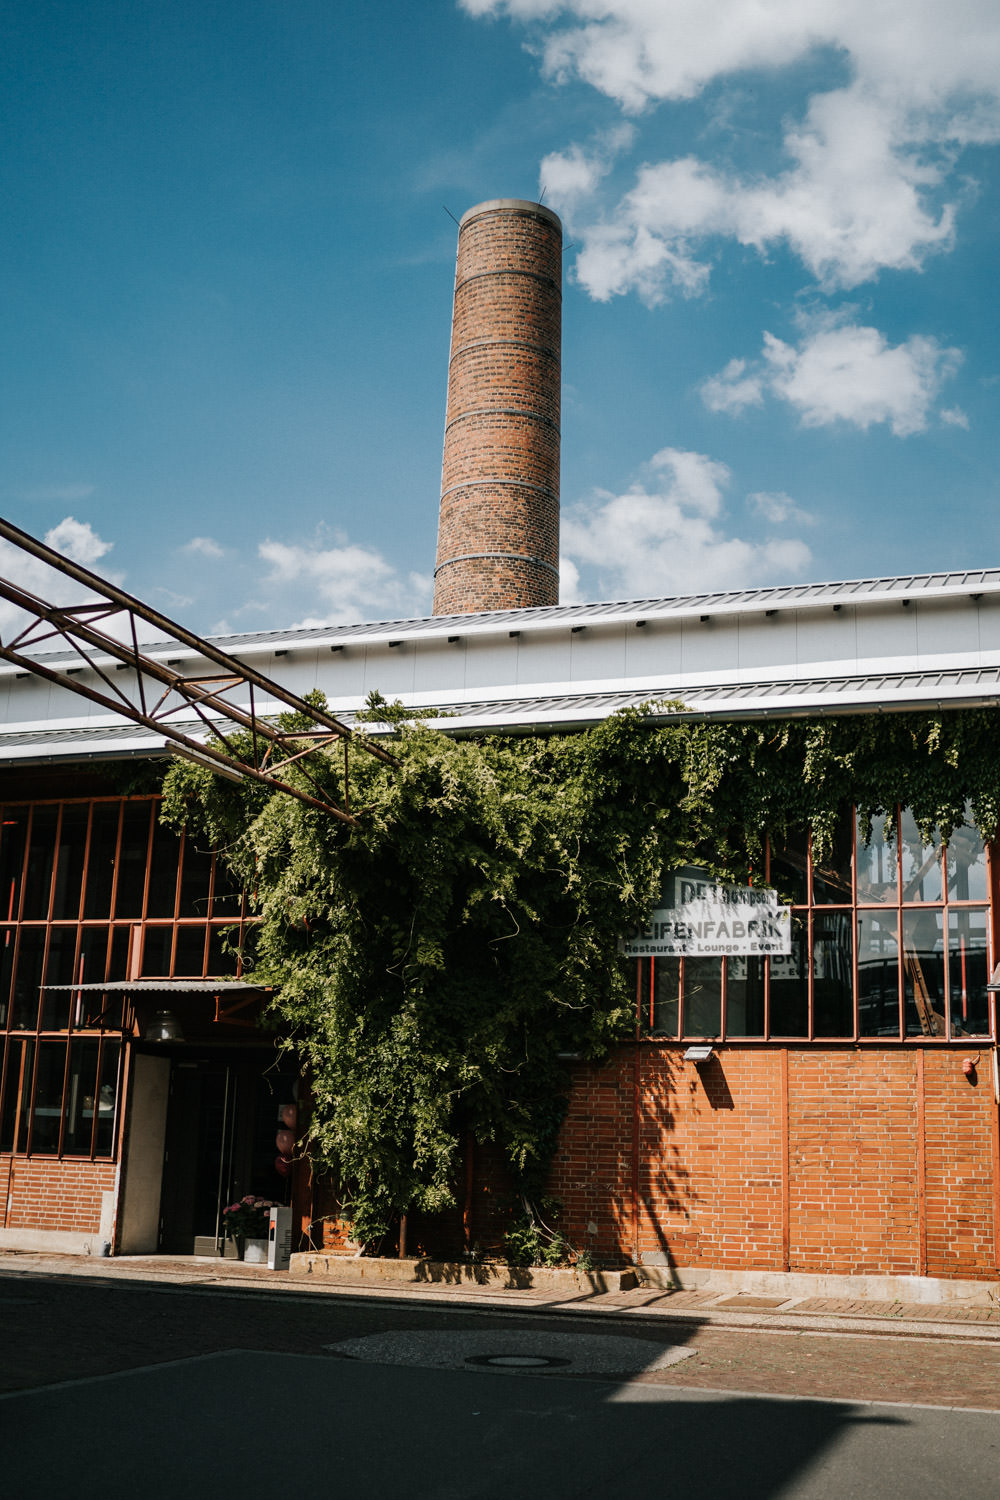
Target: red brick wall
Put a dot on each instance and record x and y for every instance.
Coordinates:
(500, 475)
(43, 1193)
(843, 1160)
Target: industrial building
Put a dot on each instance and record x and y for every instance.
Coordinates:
(829, 1107)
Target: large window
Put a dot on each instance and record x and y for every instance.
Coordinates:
(891, 940)
(91, 891)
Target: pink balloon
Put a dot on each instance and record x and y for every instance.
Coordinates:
(289, 1115)
(285, 1142)
(282, 1166)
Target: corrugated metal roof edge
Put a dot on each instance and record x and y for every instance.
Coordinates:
(607, 612)
(813, 701)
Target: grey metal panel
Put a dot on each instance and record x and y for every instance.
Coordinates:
(560, 704)
(160, 987)
(984, 581)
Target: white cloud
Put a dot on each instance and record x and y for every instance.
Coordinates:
(76, 540)
(203, 546)
(569, 582)
(842, 372)
(667, 535)
(779, 508)
(571, 176)
(868, 164)
(733, 389)
(339, 585)
(955, 417)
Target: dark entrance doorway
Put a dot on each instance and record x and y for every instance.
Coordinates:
(222, 1117)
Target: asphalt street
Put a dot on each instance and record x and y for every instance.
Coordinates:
(131, 1388)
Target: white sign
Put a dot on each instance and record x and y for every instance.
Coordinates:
(707, 919)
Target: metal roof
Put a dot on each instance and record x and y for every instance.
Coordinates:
(943, 585)
(564, 709)
(160, 987)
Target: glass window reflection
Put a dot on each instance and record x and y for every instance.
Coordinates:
(745, 996)
(702, 996)
(877, 873)
(966, 860)
(832, 882)
(968, 972)
(789, 984)
(920, 862)
(924, 972)
(878, 974)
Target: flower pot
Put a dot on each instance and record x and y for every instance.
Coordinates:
(255, 1252)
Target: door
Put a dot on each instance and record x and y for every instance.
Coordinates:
(198, 1162)
(222, 1116)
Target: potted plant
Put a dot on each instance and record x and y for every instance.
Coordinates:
(247, 1222)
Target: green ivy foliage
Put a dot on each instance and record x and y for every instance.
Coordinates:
(435, 965)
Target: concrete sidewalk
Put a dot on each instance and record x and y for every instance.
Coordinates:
(705, 1306)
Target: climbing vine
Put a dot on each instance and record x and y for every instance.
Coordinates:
(435, 965)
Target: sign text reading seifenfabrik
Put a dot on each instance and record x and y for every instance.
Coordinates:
(709, 919)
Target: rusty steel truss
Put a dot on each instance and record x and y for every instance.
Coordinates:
(151, 693)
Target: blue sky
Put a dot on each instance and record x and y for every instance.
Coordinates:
(226, 272)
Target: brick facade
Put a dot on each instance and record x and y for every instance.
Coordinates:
(498, 532)
(825, 1160)
(53, 1196)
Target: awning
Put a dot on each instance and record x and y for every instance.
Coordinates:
(180, 985)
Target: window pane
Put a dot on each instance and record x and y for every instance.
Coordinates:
(189, 957)
(132, 860)
(788, 867)
(156, 951)
(921, 862)
(666, 990)
(968, 972)
(69, 868)
(13, 831)
(790, 985)
(195, 880)
(163, 872)
(876, 867)
(745, 996)
(702, 996)
(81, 1097)
(41, 856)
(47, 1115)
(118, 963)
(923, 972)
(833, 973)
(227, 898)
(222, 958)
(101, 862)
(92, 968)
(832, 878)
(966, 860)
(17, 1090)
(58, 970)
(107, 1099)
(878, 974)
(27, 979)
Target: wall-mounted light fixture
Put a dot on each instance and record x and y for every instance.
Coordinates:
(699, 1054)
(164, 1027)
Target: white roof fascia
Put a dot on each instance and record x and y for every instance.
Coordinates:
(972, 585)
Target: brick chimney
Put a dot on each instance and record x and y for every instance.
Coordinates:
(498, 530)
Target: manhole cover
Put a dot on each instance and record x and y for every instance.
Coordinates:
(515, 1361)
(513, 1352)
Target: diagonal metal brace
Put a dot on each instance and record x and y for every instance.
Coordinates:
(154, 694)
